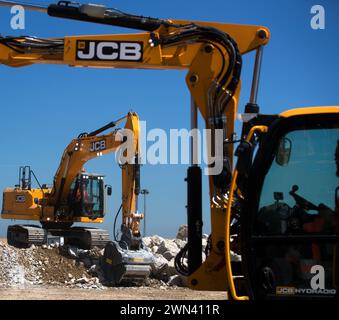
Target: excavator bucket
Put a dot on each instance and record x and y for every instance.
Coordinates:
(121, 264)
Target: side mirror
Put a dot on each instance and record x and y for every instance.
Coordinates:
(109, 190)
(282, 157)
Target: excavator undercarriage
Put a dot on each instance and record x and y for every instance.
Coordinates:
(24, 236)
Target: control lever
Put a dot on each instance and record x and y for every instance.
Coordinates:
(302, 202)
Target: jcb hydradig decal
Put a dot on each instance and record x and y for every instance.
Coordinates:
(317, 285)
(109, 50)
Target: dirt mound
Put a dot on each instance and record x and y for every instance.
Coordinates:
(59, 267)
(54, 268)
(21, 268)
(72, 267)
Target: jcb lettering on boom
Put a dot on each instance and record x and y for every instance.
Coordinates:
(98, 146)
(109, 50)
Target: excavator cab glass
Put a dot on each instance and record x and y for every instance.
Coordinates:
(291, 234)
(87, 198)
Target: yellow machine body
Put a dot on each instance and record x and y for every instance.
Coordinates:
(40, 204)
(204, 61)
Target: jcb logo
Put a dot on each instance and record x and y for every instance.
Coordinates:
(109, 50)
(20, 198)
(98, 146)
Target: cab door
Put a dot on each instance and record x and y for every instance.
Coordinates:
(290, 222)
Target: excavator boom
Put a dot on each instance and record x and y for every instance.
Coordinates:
(212, 55)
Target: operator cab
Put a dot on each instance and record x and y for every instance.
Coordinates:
(291, 228)
(87, 196)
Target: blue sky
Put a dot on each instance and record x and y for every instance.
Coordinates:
(44, 107)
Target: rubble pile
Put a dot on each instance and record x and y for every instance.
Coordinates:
(47, 265)
(11, 272)
(165, 251)
(72, 267)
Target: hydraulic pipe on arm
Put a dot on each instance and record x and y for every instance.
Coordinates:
(130, 165)
(212, 54)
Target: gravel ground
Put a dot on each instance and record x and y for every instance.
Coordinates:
(52, 293)
(52, 274)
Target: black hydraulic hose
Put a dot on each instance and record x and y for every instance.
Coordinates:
(209, 34)
(31, 43)
(136, 173)
(179, 261)
(204, 33)
(38, 182)
(115, 222)
(113, 17)
(227, 80)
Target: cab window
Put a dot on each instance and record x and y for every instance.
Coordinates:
(300, 191)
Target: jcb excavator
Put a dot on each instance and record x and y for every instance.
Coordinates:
(79, 196)
(284, 248)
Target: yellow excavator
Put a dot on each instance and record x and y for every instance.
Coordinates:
(79, 196)
(288, 239)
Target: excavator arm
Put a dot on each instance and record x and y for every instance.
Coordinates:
(92, 145)
(54, 206)
(212, 55)
(76, 196)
